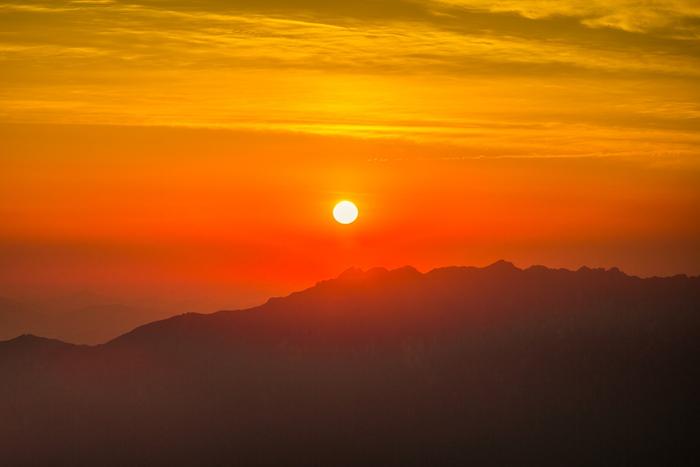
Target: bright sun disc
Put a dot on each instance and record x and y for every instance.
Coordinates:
(345, 212)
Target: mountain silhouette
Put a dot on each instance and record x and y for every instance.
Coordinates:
(456, 366)
(82, 318)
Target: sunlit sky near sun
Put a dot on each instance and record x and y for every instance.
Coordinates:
(182, 145)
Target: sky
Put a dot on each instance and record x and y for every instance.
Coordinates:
(196, 148)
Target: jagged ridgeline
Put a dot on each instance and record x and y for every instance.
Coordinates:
(459, 366)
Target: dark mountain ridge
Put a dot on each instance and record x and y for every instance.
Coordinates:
(459, 365)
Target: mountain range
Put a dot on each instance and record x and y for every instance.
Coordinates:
(456, 366)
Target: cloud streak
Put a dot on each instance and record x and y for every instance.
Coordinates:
(667, 16)
(598, 76)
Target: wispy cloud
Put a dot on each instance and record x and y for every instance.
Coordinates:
(628, 15)
(181, 37)
(599, 76)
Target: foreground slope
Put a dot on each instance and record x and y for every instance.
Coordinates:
(489, 366)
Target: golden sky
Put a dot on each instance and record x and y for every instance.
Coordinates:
(204, 142)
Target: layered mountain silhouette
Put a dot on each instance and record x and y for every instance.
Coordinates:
(457, 366)
(83, 317)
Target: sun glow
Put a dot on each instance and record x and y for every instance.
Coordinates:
(345, 212)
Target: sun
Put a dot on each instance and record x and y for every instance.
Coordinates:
(345, 212)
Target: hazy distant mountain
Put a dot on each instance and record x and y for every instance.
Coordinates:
(458, 366)
(82, 318)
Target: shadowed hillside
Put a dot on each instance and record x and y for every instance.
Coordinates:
(489, 366)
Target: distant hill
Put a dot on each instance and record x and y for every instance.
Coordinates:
(457, 366)
(87, 319)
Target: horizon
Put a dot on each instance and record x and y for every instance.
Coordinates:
(168, 312)
(92, 316)
(106, 298)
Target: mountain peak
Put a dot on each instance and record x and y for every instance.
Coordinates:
(502, 265)
(351, 272)
(30, 341)
(28, 338)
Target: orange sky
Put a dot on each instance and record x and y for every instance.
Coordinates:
(174, 147)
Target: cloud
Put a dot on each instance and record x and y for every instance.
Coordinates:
(627, 15)
(197, 37)
(38, 8)
(597, 76)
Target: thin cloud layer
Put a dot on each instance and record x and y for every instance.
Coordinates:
(591, 74)
(677, 17)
